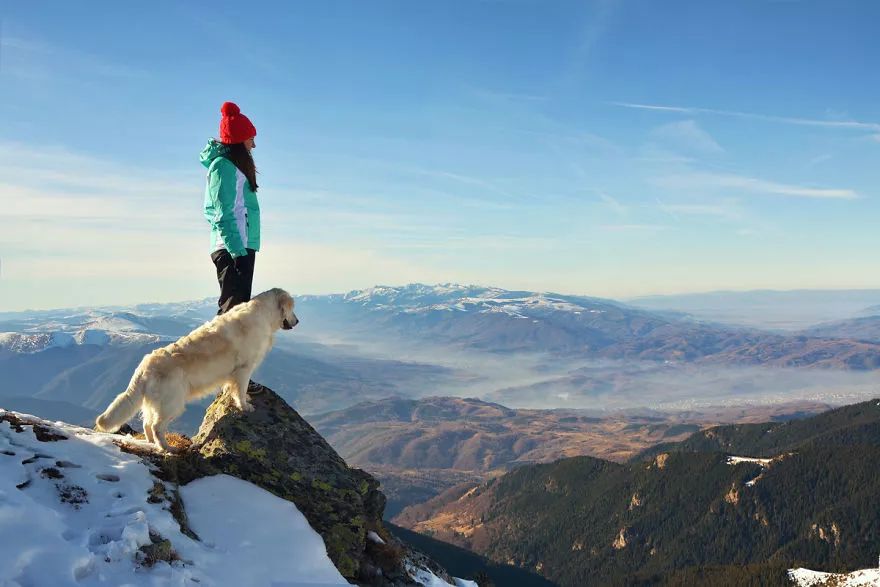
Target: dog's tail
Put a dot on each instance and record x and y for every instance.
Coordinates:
(123, 407)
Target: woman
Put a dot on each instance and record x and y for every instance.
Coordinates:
(231, 206)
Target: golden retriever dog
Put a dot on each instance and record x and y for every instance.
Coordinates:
(224, 351)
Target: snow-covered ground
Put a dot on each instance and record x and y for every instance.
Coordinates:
(77, 510)
(429, 579)
(808, 578)
(731, 460)
(734, 460)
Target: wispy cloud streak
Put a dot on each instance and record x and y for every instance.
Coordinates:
(703, 180)
(843, 124)
(689, 135)
(34, 59)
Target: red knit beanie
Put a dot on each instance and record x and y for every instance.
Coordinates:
(235, 127)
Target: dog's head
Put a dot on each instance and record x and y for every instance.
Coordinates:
(285, 305)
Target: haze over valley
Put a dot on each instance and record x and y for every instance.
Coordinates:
(518, 349)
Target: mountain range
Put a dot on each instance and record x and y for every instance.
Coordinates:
(469, 317)
(517, 348)
(707, 510)
(500, 321)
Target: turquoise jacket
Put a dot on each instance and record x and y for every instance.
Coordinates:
(231, 206)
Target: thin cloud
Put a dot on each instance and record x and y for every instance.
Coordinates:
(820, 158)
(37, 59)
(563, 139)
(444, 243)
(633, 227)
(687, 134)
(597, 17)
(725, 210)
(50, 169)
(843, 124)
(494, 96)
(477, 182)
(614, 204)
(704, 180)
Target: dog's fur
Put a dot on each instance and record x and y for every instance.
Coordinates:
(224, 351)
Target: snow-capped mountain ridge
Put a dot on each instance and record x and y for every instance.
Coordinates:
(503, 321)
(420, 298)
(33, 342)
(29, 343)
(30, 333)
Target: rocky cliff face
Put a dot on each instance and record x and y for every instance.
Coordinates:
(276, 449)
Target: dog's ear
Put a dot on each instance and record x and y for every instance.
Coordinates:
(285, 302)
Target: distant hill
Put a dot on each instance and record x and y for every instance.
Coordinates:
(502, 321)
(419, 448)
(865, 328)
(788, 310)
(470, 434)
(857, 424)
(683, 515)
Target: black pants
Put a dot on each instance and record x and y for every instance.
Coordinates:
(235, 284)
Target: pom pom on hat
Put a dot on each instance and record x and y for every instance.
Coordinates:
(230, 109)
(235, 127)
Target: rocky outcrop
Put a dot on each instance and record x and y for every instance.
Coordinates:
(274, 448)
(624, 538)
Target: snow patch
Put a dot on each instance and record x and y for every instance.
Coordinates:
(375, 538)
(89, 336)
(61, 339)
(429, 579)
(808, 578)
(75, 512)
(764, 463)
(732, 460)
(117, 323)
(254, 537)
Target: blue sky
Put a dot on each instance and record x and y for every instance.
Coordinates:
(610, 148)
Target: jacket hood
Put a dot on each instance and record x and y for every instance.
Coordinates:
(212, 150)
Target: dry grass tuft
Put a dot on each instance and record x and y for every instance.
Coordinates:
(178, 441)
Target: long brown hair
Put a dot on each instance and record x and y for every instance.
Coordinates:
(241, 158)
